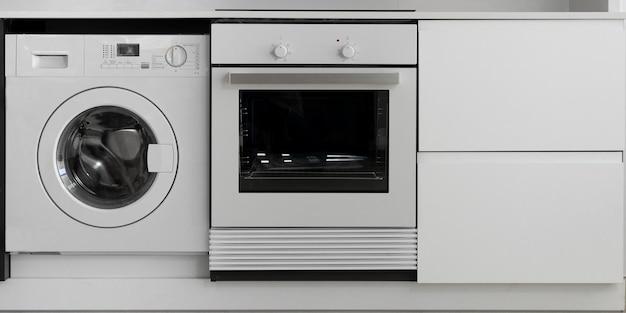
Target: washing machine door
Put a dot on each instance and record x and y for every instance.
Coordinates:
(107, 157)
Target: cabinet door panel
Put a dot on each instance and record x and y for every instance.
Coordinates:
(525, 217)
(521, 85)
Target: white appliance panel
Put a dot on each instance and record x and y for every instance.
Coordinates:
(231, 208)
(147, 56)
(342, 44)
(32, 48)
(179, 224)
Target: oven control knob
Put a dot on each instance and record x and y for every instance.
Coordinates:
(176, 56)
(281, 51)
(348, 51)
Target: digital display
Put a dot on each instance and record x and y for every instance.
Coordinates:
(127, 49)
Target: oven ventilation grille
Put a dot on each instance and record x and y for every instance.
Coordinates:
(310, 249)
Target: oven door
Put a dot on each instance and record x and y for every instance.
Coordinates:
(313, 147)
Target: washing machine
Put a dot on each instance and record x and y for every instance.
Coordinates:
(107, 143)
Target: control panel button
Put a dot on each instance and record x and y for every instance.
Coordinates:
(176, 56)
(281, 51)
(348, 51)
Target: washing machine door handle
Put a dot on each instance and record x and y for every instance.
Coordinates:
(160, 158)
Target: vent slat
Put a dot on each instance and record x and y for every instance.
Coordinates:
(320, 251)
(313, 241)
(229, 257)
(312, 268)
(304, 236)
(312, 249)
(318, 246)
(302, 231)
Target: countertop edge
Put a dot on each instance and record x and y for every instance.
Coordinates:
(391, 15)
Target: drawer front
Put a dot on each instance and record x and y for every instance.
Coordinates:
(521, 85)
(520, 217)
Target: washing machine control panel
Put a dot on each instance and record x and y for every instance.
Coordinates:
(146, 55)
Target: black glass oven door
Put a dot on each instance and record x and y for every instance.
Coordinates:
(313, 140)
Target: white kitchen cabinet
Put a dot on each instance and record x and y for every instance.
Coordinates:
(521, 85)
(520, 217)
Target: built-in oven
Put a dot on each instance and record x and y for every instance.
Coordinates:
(313, 150)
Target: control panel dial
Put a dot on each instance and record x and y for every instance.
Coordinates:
(176, 56)
(281, 51)
(348, 51)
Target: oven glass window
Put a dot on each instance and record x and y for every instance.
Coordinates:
(313, 140)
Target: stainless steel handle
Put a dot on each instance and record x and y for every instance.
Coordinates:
(314, 78)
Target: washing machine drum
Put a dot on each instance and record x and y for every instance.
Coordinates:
(107, 157)
(103, 151)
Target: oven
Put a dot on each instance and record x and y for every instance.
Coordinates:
(313, 149)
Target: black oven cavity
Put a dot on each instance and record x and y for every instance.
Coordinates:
(313, 140)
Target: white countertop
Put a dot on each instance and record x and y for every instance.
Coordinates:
(212, 14)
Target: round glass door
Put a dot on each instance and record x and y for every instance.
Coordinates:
(102, 157)
(107, 157)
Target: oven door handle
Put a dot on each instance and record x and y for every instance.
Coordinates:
(314, 78)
